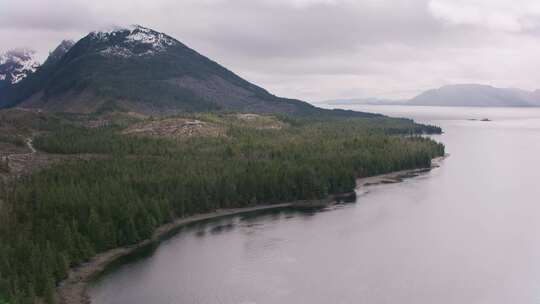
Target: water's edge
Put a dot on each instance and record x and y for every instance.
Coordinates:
(73, 290)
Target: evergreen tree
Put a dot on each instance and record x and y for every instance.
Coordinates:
(61, 216)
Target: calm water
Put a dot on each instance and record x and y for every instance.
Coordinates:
(468, 232)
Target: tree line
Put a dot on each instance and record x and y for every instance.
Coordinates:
(61, 216)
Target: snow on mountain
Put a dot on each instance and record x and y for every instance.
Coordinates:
(15, 65)
(158, 41)
(131, 41)
(117, 51)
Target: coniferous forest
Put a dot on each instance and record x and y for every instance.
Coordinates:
(123, 187)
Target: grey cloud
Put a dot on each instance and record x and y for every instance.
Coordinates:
(44, 15)
(316, 49)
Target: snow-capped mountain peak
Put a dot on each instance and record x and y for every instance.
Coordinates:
(17, 64)
(133, 40)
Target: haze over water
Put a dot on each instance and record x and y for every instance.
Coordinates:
(467, 232)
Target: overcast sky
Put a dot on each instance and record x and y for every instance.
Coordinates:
(316, 49)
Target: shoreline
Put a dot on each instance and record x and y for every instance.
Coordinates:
(398, 176)
(73, 289)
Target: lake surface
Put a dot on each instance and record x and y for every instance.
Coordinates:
(467, 232)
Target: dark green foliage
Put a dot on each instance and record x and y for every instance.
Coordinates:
(12, 139)
(4, 164)
(61, 216)
(16, 122)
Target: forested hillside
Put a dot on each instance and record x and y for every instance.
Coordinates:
(130, 184)
(139, 69)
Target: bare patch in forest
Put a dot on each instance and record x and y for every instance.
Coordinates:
(260, 122)
(175, 128)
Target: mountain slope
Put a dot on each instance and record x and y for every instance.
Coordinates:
(58, 53)
(142, 70)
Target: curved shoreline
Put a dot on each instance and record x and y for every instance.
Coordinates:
(73, 289)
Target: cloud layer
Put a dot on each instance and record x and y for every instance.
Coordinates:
(317, 49)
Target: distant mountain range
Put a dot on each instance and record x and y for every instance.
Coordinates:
(135, 69)
(366, 101)
(472, 95)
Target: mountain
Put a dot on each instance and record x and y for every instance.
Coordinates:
(475, 95)
(139, 69)
(58, 53)
(16, 65)
(365, 101)
(13, 92)
(460, 95)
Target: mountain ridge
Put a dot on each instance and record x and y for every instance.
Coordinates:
(139, 69)
(476, 95)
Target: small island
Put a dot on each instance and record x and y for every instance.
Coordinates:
(483, 119)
